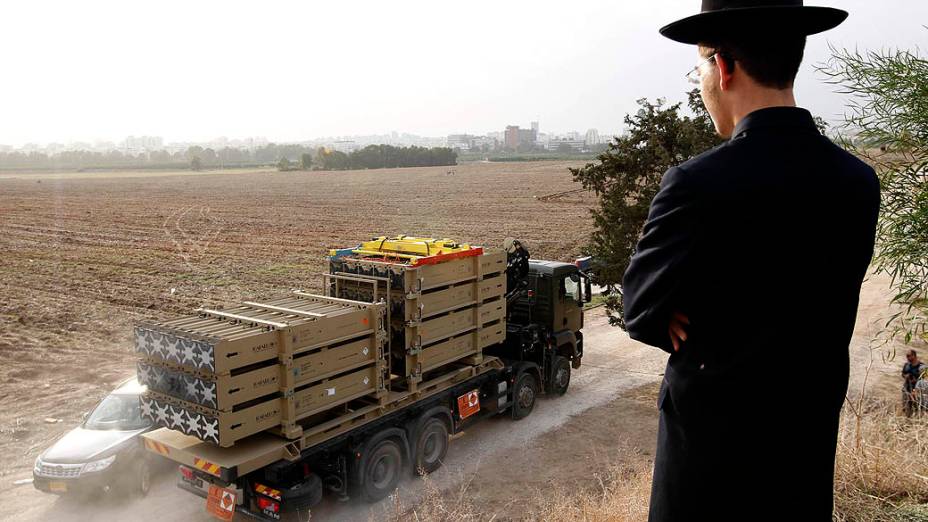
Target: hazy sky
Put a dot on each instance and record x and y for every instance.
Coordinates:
(195, 70)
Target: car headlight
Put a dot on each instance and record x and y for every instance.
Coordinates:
(38, 464)
(98, 465)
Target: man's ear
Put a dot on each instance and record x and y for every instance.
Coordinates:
(726, 71)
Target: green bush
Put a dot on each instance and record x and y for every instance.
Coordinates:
(887, 124)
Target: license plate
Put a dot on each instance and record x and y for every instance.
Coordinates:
(196, 482)
(57, 487)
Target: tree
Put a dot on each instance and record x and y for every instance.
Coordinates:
(193, 152)
(627, 176)
(209, 157)
(334, 160)
(887, 124)
(283, 164)
(306, 161)
(196, 164)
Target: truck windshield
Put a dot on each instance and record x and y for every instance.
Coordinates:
(116, 412)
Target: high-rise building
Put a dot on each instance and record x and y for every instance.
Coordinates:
(517, 137)
(511, 139)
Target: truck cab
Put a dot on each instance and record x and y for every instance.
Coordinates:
(544, 322)
(556, 297)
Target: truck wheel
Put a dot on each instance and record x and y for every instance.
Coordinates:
(304, 495)
(523, 396)
(431, 445)
(381, 470)
(142, 477)
(560, 376)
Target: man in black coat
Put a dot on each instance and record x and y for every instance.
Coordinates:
(748, 273)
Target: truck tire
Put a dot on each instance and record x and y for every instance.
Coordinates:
(560, 376)
(381, 469)
(302, 496)
(432, 441)
(523, 396)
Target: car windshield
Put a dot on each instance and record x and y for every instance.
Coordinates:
(116, 412)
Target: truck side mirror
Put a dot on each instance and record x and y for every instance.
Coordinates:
(587, 290)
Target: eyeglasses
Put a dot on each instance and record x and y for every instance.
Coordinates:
(695, 76)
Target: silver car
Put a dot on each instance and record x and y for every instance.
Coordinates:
(104, 453)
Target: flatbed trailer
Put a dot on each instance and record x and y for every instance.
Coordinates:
(361, 448)
(369, 447)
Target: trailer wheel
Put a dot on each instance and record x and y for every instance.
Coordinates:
(303, 495)
(560, 376)
(431, 445)
(523, 396)
(381, 470)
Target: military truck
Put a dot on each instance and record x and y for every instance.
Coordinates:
(270, 404)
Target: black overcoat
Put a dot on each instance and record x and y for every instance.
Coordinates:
(763, 243)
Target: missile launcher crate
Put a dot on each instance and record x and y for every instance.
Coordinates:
(446, 300)
(223, 375)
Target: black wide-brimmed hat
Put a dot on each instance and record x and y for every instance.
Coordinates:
(722, 19)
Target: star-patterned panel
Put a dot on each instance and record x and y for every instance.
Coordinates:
(173, 348)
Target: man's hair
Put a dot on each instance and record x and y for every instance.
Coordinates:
(772, 62)
(912, 353)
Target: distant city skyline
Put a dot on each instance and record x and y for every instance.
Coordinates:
(297, 71)
(135, 144)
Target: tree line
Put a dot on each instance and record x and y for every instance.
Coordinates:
(385, 157)
(197, 158)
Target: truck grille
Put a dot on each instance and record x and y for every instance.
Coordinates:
(47, 469)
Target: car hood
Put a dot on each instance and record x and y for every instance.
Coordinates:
(82, 445)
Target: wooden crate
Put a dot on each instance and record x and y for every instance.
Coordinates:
(225, 375)
(437, 311)
(221, 428)
(470, 344)
(282, 413)
(420, 278)
(220, 341)
(224, 392)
